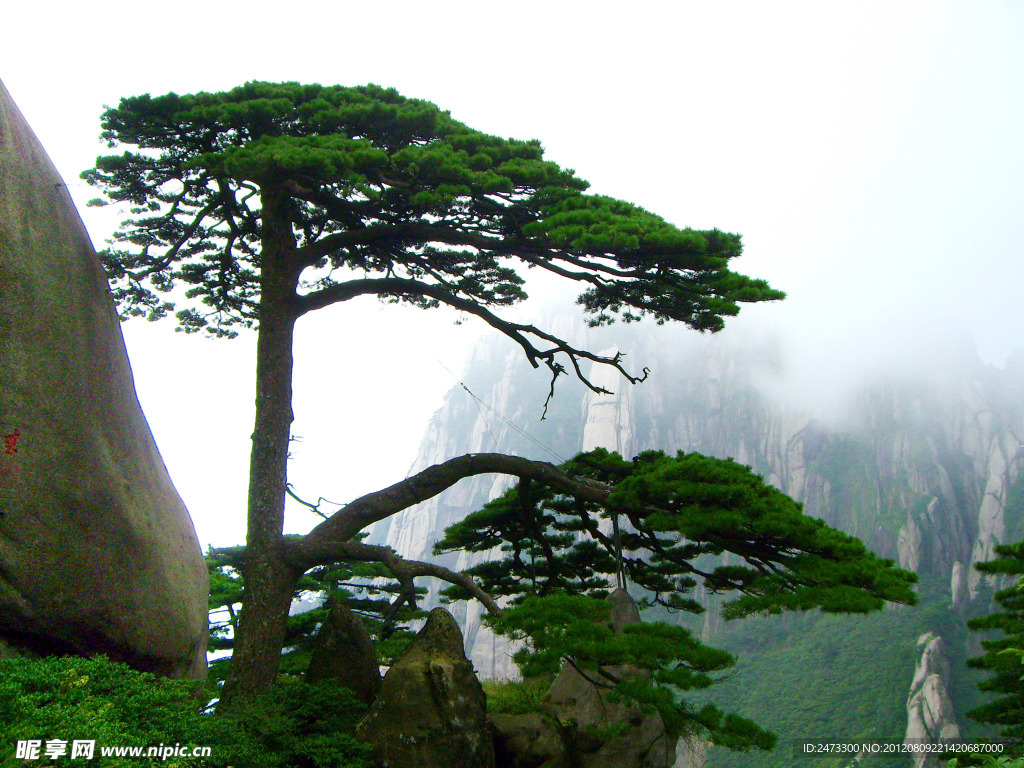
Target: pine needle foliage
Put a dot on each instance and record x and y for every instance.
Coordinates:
(1004, 654)
(664, 527)
(667, 525)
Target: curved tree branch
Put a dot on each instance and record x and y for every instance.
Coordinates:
(325, 552)
(358, 514)
(518, 332)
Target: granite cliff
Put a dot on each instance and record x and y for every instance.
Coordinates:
(926, 470)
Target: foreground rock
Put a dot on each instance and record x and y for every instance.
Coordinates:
(931, 716)
(578, 728)
(344, 653)
(430, 712)
(97, 551)
(531, 740)
(574, 699)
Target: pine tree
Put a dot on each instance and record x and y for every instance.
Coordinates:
(665, 525)
(255, 206)
(1004, 655)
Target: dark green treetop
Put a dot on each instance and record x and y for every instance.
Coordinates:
(360, 190)
(1003, 654)
(664, 525)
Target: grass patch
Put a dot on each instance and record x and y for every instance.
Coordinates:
(515, 697)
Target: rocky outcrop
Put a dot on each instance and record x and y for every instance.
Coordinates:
(577, 727)
(692, 753)
(344, 652)
(530, 740)
(958, 588)
(603, 734)
(431, 709)
(97, 551)
(930, 715)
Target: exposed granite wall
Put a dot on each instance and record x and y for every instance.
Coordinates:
(97, 551)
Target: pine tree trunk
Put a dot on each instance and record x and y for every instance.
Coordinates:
(269, 579)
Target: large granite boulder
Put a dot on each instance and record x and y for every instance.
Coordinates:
(585, 715)
(431, 709)
(344, 652)
(97, 551)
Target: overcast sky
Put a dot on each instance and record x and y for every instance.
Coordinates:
(869, 153)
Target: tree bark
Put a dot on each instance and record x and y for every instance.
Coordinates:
(269, 578)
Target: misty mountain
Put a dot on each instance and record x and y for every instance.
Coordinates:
(924, 465)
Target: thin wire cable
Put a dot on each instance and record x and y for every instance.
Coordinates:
(527, 435)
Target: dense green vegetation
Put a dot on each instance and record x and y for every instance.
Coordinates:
(70, 698)
(662, 529)
(816, 678)
(820, 677)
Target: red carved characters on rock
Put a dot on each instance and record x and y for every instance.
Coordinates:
(11, 443)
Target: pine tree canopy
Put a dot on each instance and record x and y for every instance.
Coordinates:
(1004, 654)
(350, 191)
(660, 527)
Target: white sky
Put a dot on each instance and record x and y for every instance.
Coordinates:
(870, 153)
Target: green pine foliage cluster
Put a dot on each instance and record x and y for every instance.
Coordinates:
(665, 662)
(662, 529)
(1004, 654)
(666, 513)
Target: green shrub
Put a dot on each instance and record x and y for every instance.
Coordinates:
(73, 698)
(298, 725)
(515, 697)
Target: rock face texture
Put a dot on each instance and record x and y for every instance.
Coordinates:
(530, 740)
(931, 717)
(574, 699)
(575, 727)
(97, 552)
(344, 652)
(431, 709)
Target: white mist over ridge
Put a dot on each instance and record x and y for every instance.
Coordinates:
(916, 454)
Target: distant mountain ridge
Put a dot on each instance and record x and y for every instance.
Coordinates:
(926, 472)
